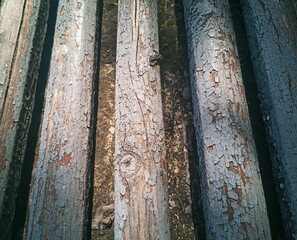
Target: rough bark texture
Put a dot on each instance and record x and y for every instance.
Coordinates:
(59, 207)
(22, 31)
(141, 201)
(272, 34)
(232, 194)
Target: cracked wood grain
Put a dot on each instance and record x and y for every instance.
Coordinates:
(22, 31)
(272, 34)
(141, 201)
(60, 199)
(232, 193)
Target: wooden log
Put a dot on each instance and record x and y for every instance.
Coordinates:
(22, 31)
(60, 200)
(141, 199)
(232, 193)
(272, 34)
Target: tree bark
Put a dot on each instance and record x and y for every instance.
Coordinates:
(60, 201)
(141, 201)
(232, 193)
(272, 35)
(22, 31)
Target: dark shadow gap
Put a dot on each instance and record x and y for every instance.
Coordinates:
(26, 175)
(103, 190)
(178, 119)
(197, 208)
(258, 127)
(91, 168)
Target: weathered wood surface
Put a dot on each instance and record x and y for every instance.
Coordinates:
(22, 31)
(141, 201)
(60, 204)
(272, 35)
(232, 193)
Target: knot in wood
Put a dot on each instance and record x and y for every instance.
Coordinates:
(131, 167)
(155, 59)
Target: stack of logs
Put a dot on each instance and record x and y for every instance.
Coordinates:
(231, 189)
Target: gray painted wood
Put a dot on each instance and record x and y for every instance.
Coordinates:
(22, 31)
(141, 200)
(272, 34)
(60, 201)
(232, 192)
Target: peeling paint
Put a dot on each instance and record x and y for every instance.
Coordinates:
(21, 23)
(65, 161)
(60, 199)
(271, 31)
(232, 193)
(141, 206)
